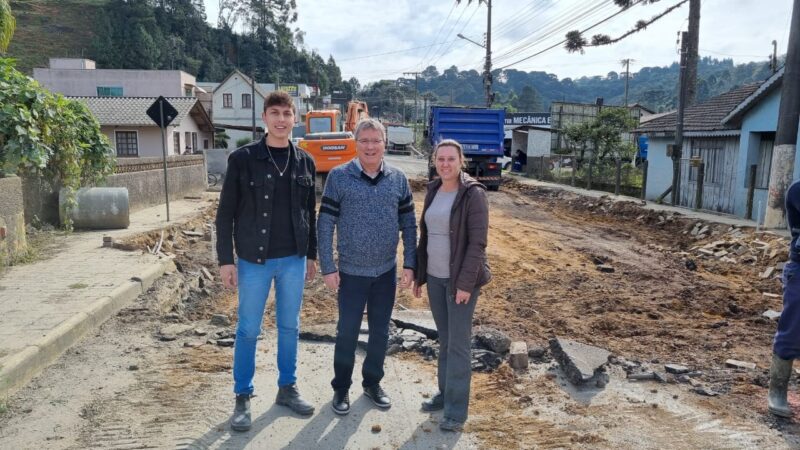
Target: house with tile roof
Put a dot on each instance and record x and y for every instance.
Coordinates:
(133, 134)
(733, 135)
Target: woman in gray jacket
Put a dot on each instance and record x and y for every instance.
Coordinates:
(451, 259)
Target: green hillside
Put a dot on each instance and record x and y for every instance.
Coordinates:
(48, 28)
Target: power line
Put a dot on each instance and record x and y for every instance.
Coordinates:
(563, 41)
(393, 52)
(452, 8)
(448, 34)
(451, 44)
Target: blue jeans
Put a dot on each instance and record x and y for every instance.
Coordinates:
(377, 294)
(254, 284)
(787, 339)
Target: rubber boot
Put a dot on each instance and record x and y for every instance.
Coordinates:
(779, 373)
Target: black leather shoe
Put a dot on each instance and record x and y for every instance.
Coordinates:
(378, 396)
(436, 403)
(341, 402)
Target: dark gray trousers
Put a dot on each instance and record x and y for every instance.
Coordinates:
(454, 323)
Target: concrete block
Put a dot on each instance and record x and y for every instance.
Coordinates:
(580, 362)
(740, 364)
(676, 369)
(518, 355)
(771, 314)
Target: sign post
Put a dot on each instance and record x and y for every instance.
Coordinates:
(163, 113)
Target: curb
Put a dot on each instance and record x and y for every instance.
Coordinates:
(25, 364)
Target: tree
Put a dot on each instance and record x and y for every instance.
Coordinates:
(7, 25)
(528, 100)
(576, 42)
(50, 136)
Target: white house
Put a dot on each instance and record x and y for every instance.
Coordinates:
(233, 103)
(78, 77)
(133, 134)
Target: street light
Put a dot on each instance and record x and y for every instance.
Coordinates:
(468, 39)
(487, 72)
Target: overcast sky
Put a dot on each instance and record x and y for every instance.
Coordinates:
(374, 40)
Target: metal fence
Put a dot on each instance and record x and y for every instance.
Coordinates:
(610, 175)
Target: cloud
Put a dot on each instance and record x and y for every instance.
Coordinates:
(381, 40)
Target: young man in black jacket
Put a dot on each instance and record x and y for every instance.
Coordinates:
(266, 210)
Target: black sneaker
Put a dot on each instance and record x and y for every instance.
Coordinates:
(378, 396)
(341, 402)
(289, 396)
(240, 419)
(434, 404)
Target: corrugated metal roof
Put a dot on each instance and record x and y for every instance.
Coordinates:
(706, 116)
(132, 111)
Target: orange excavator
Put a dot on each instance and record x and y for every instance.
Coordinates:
(326, 142)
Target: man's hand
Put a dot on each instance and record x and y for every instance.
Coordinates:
(417, 289)
(332, 280)
(311, 269)
(407, 279)
(462, 297)
(228, 274)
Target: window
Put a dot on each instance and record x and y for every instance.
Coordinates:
(109, 91)
(194, 142)
(711, 152)
(188, 91)
(227, 100)
(205, 144)
(246, 103)
(764, 160)
(176, 142)
(320, 125)
(127, 143)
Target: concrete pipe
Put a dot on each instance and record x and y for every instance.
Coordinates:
(98, 208)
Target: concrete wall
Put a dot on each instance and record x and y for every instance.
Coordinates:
(186, 175)
(134, 83)
(149, 138)
(12, 220)
(538, 142)
(217, 159)
(143, 177)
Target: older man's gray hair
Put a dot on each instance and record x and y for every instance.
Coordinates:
(370, 124)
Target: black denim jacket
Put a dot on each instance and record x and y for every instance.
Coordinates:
(245, 208)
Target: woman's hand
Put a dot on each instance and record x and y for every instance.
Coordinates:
(462, 297)
(417, 289)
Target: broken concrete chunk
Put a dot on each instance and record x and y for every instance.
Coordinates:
(220, 320)
(227, 342)
(518, 357)
(192, 233)
(580, 362)
(605, 268)
(676, 369)
(771, 314)
(702, 390)
(770, 295)
(767, 272)
(206, 274)
(492, 339)
(740, 364)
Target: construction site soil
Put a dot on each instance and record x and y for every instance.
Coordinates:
(651, 287)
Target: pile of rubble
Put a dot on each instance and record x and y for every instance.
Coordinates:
(740, 247)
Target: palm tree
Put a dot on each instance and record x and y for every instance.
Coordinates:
(7, 25)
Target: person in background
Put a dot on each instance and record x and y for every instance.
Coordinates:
(786, 344)
(451, 260)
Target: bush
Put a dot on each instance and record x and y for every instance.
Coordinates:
(47, 135)
(243, 141)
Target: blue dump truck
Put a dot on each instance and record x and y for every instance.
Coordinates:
(480, 133)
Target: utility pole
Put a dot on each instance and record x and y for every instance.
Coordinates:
(487, 67)
(416, 109)
(773, 60)
(253, 101)
(677, 149)
(783, 153)
(693, 49)
(627, 63)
